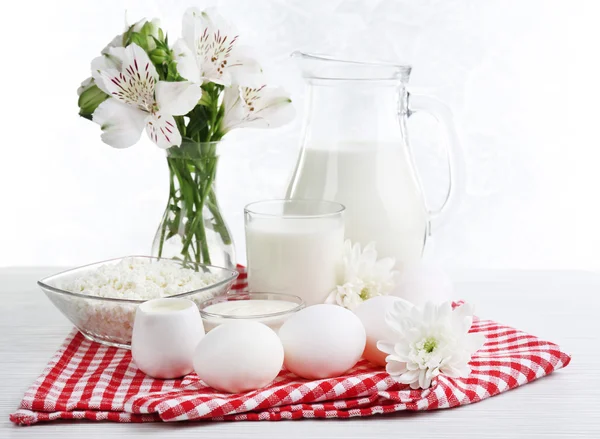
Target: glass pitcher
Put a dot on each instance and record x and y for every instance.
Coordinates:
(355, 151)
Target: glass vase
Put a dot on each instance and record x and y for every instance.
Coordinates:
(192, 227)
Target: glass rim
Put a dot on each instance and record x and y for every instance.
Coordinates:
(44, 284)
(338, 208)
(352, 70)
(246, 296)
(192, 150)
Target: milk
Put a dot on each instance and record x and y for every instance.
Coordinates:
(300, 256)
(269, 312)
(376, 183)
(246, 308)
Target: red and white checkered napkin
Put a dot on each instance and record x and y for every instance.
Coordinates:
(86, 380)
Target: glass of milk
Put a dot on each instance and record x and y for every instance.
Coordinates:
(295, 247)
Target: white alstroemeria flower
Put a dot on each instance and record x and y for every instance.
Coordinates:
(210, 52)
(262, 107)
(429, 341)
(364, 276)
(138, 99)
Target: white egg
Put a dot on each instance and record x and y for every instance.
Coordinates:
(239, 356)
(322, 341)
(424, 282)
(372, 315)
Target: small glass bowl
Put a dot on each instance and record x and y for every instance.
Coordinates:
(274, 319)
(110, 320)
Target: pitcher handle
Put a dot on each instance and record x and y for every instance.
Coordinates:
(454, 153)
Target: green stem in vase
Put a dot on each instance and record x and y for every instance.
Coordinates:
(220, 222)
(191, 175)
(197, 229)
(193, 167)
(172, 202)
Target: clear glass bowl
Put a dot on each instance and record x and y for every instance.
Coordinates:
(109, 320)
(274, 320)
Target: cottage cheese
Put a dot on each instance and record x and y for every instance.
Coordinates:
(130, 279)
(139, 279)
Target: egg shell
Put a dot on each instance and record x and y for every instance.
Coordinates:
(239, 356)
(424, 282)
(372, 315)
(322, 341)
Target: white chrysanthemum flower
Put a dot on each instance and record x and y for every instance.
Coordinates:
(431, 340)
(364, 276)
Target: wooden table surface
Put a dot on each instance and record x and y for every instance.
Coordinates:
(561, 306)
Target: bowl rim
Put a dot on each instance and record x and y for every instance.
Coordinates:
(232, 276)
(300, 304)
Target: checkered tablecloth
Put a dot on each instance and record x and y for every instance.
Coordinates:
(86, 380)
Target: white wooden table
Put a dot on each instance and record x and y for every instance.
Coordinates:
(563, 307)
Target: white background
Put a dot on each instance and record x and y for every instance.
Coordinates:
(522, 76)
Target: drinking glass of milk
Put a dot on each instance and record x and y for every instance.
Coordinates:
(295, 247)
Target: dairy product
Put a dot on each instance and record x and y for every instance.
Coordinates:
(377, 185)
(299, 256)
(254, 307)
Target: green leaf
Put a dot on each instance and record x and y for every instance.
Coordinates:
(198, 123)
(206, 99)
(161, 45)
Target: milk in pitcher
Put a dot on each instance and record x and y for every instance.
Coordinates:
(377, 185)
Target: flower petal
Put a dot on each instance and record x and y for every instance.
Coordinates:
(409, 377)
(112, 60)
(394, 367)
(177, 98)
(243, 69)
(463, 317)
(263, 107)
(162, 130)
(121, 124)
(187, 64)
(115, 42)
(462, 371)
(348, 295)
(331, 299)
(134, 82)
(474, 341)
(211, 38)
(386, 347)
(191, 26)
(214, 43)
